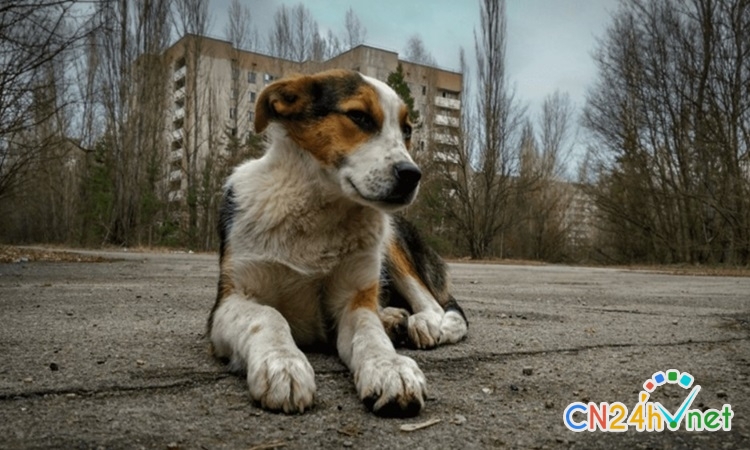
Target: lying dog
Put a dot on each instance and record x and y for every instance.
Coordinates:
(309, 249)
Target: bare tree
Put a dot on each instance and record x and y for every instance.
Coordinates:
(239, 28)
(34, 34)
(543, 197)
(481, 159)
(131, 82)
(280, 37)
(417, 52)
(669, 119)
(192, 17)
(294, 34)
(354, 32)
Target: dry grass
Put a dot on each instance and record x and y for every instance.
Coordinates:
(11, 254)
(699, 271)
(685, 270)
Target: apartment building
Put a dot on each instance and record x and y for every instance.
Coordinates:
(229, 80)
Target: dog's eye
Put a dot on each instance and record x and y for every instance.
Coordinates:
(407, 131)
(362, 120)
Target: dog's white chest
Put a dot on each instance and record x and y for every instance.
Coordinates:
(298, 229)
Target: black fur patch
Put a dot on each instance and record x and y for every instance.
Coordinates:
(427, 263)
(452, 305)
(226, 217)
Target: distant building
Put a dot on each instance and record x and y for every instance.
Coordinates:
(230, 80)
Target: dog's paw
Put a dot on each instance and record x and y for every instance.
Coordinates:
(453, 328)
(424, 329)
(391, 385)
(396, 322)
(282, 380)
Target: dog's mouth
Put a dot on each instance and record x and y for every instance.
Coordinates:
(394, 199)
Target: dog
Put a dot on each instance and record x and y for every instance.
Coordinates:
(311, 252)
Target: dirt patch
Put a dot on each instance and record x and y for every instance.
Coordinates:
(10, 254)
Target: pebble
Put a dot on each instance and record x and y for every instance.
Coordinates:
(675, 322)
(487, 390)
(459, 419)
(348, 443)
(549, 404)
(528, 371)
(54, 367)
(28, 380)
(140, 362)
(721, 394)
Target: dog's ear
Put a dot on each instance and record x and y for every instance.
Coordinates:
(283, 99)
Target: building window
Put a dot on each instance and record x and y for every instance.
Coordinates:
(268, 78)
(251, 116)
(234, 94)
(234, 132)
(251, 76)
(235, 73)
(252, 97)
(232, 113)
(424, 90)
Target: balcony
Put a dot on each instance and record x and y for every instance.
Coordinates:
(179, 114)
(175, 196)
(446, 139)
(175, 175)
(175, 155)
(177, 134)
(446, 121)
(445, 157)
(179, 94)
(448, 103)
(179, 74)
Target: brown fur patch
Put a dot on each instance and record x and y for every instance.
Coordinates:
(401, 263)
(313, 110)
(226, 286)
(365, 298)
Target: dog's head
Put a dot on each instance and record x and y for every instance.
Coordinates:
(355, 127)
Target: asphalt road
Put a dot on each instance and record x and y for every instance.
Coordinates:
(112, 355)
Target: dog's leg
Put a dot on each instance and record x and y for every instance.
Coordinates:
(388, 383)
(257, 339)
(431, 323)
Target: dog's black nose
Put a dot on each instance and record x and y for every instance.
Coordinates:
(407, 177)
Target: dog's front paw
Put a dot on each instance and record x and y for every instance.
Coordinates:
(396, 323)
(391, 385)
(453, 328)
(282, 380)
(424, 329)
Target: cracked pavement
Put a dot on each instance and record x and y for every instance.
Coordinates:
(112, 355)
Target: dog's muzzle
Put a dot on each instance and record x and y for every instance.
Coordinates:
(407, 176)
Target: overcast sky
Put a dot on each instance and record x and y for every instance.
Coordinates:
(549, 41)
